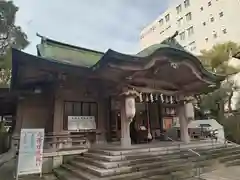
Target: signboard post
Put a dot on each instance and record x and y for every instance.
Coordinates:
(30, 152)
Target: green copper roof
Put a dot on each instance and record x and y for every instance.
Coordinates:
(77, 56)
(169, 42)
(68, 54)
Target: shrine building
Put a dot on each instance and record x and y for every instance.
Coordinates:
(81, 92)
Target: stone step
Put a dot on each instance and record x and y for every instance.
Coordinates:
(139, 167)
(151, 155)
(233, 163)
(82, 173)
(79, 173)
(144, 165)
(168, 149)
(115, 164)
(63, 174)
(155, 159)
(101, 172)
(230, 157)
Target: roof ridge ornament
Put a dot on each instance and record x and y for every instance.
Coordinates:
(172, 42)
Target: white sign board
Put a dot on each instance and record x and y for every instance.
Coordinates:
(76, 123)
(30, 152)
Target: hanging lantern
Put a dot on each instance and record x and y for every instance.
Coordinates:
(140, 97)
(130, 107)
(151, 97)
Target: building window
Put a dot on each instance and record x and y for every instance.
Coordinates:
(179, 9)
(160, 22)
(201, 8)
(180, 22)
(212, 19)
(192, 46)
(221, 14)
(206, 39)
(214, 34)
(168, 27)
(161, 32)
(190, 31)
(209, 3)
(204, 23)
(182, 36)
(186, 3)
(224, 31)
(167, 17)
(189, 16)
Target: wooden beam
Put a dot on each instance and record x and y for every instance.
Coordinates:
(153, 82)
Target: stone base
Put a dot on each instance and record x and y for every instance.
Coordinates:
(126, 142)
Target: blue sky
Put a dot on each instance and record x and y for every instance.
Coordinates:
(94, 24)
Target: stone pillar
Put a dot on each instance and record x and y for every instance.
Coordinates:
(185, 114)
(183, 124)
(127, 113)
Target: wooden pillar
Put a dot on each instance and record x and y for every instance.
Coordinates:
(58, 115)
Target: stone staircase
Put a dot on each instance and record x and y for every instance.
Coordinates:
(162, 163)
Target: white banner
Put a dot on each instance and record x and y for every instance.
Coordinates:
(76, 123)
(30, 152)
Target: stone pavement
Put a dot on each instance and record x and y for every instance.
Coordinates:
(225, 173)
(7, 173)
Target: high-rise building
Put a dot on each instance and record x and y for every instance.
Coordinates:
(200, 23)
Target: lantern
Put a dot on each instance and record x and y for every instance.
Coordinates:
(130, 107)
(140, 97)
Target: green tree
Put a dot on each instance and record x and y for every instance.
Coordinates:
(10, 36)
(218, 57)
(215, 102)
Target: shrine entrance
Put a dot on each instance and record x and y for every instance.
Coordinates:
(155, 114)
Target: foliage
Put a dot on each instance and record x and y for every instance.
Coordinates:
(218, 101)
(217, 58)
(10, 36)
(231, 125)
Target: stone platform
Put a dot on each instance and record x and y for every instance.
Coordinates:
(161, 160)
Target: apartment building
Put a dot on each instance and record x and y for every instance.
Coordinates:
(200, 23)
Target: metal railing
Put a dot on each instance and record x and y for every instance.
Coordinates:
(225, 140)
(198, 169)
(179, 144)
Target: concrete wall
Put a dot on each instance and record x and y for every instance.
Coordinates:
(201, 12)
